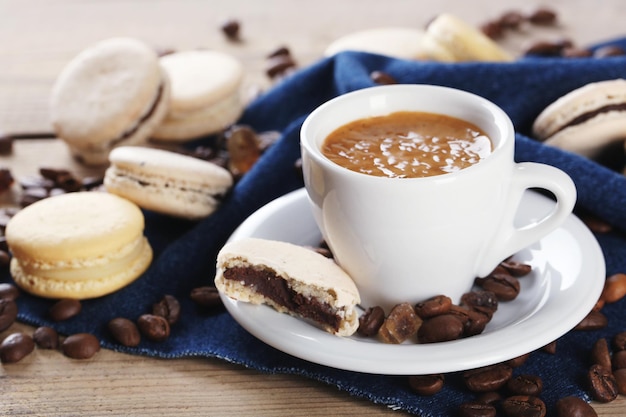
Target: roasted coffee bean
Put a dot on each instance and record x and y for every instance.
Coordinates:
(511, 19)
(6, 179)
(596, 224)
(550, 348)
(46, 337)
(426, 384)
(543, 16)
(525, 385)
(169, 308)
(370, 321)
(382, 78)
(280, 51)
(614, 288)
(243, 148)
(574, 407)
(489, 397)
(124, 331)
(207, 297)
(230, 28)
(64, 309)
(401, 324)
(155, 328)
(8, 291)
(433, 306)
(523, 406)
(545, 48)
(618, 360)
(476, 409)
(475, 324)
(619, 341)
(8, 313)
(599, 305)
(620, 379)
(488, 378)
(518, 361)
(595, 320)
(602, 384)
(517, 269)
(16, 347)
(461, 313)
(600, 353)
(440, 328)
(6, 144)
(80, 346)
(279, 65)
(493, 30)
(503, 285)
(484, 302)
(608, 51)
(5, 259)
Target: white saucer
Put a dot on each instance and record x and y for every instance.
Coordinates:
(567, 279)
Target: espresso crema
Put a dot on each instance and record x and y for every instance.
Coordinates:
(407, 144)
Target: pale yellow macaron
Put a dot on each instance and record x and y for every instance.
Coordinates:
(205, 94)
(78, 245)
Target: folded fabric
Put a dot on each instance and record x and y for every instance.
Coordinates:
(185, 252)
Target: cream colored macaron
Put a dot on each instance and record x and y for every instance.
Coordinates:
(167, 182)
(290, 278)
(205, 95)
(398, 42)
(78, 245)
(586, 120)
(113, 93)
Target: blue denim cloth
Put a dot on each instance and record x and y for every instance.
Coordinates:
(185, 252)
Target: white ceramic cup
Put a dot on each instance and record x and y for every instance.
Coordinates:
(407, 239)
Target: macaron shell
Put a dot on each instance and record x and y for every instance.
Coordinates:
(73, 226)
(463, 41)
(167, 182)
(391, 41)
(200, 78)
(104, 90)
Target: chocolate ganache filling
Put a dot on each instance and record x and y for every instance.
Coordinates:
(591, 114)
(273, 287)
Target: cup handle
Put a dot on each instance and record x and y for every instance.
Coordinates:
(509, 238)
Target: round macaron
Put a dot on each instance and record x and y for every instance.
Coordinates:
(586, 120)
(77, 245)
(396, 42)
(167, 182)
(205, 95)
(113, 93)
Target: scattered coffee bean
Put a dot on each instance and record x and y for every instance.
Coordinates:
(596, 224)
(614, 288)
(64, 309)
(426, 384)
(619, 341)
(517, 269)
(401, 324)
(618, 360)
(503, 285)
(6, 179)
(595, 320)
(543, 16)
(574, 407)
(80, 346)
(155, 328)
(620, 379)
(231, 28)
(16, 347)
(382, 78)
(484, 302)
(434, 306)
(6, 144)
(525, 385)
(46, 337)
(608, 51)
(207, 297)
(124, 331)
(545, 49)
(279, 65)
(370, 321)
(442, 328)
(512, 19)
(489, 397)
(8, 313)
(524, 406)
(493, 30)
(476, 409)
(600, 353)
(475, 324)
(518, 361)
(5, 259)
(602, 384)
(550, 348)
(169, 308)
(488, 378)
(8, 291)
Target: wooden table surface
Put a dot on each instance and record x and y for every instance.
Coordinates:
(38, 37)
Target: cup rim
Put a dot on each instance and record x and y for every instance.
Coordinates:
(307, 141)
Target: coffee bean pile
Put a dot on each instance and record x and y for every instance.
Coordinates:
(438, 319)
(515, 19)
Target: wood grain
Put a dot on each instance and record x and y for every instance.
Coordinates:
(38, 37)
